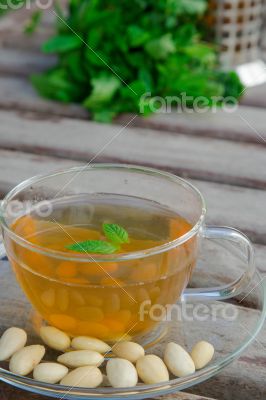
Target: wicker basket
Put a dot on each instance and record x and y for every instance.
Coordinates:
(238, 27)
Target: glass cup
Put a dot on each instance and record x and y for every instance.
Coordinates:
(110, 296)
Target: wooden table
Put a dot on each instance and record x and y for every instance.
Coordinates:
(223, 154)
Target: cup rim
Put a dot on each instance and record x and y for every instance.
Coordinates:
(81, 257)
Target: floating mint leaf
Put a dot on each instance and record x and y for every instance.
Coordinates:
(93, 246)
(115, 233)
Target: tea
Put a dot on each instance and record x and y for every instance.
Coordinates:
(101, 298)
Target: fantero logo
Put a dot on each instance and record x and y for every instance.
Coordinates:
(28, 4)
(187, 312)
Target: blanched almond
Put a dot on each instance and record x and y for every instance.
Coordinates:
(49, 372)
(88, 376)
(128, 350)
(202, 354)
(55, 338)
(121, 373)
(12, 340)
(80, 358)
(151, 369)
(24, 360)
(90, 343)
(178, 360)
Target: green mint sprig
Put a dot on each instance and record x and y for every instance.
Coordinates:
(93, 246)
(166, 47)
(113, 232)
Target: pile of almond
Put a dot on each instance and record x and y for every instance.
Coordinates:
(81, 359)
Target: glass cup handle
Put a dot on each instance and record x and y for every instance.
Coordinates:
(2, 248)
(237, 286)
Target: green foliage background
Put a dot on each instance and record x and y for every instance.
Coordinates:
(111, 52)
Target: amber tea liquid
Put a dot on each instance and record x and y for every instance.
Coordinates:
(102, 299)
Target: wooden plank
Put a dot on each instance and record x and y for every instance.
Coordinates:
(16, 166)
(260, 255)
(255, 96)
(247, 124)
(8, 392)
(183, 396)
(17, 93)
(12, 28)
(227, 205)
(244, 124)
(243, 380)
(250, 384)
(23, 63)
(199, 158)
(238, 207)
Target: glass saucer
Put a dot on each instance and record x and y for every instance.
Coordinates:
(229, 325)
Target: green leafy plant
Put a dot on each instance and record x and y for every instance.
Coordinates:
(113, 232)
(111, 52)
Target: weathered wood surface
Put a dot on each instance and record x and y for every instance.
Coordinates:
(12, 29)
(17, 93)
(246, 124)
(244, 379)
(201, 158)
(17, 62)
(227, 204)
(7, 392)
(255, 96)
(183, 396)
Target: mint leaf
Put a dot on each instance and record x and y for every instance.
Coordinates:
(103, 90)
(189, 7)
(115, 233)
(93, 246)
(62, 43)
(160, 48)
(137, 36)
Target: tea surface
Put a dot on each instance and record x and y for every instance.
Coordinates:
(103, 299)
